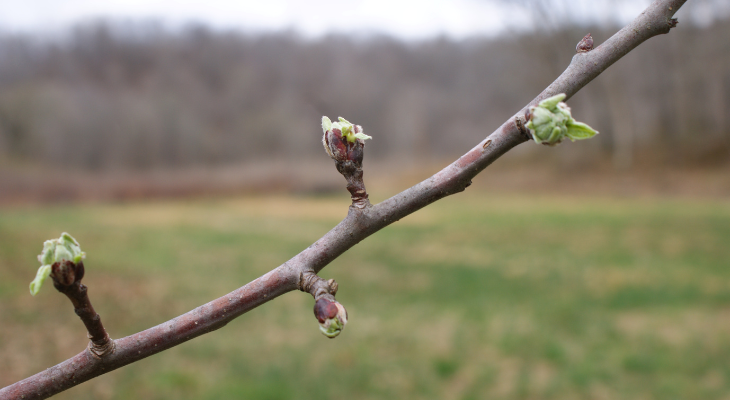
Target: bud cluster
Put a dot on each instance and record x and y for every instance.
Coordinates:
(550, 122)
(61, 256)
(345, 142)
(342, 140)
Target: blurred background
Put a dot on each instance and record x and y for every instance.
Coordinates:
(180, 144)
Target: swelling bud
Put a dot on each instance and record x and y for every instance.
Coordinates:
(331, 315)
(342, 140)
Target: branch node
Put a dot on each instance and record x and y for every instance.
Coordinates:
(311, 283)
(102, 349)
(521, 125)
(672, 22)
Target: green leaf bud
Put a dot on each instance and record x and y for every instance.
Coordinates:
(56, 250)
(551, 122)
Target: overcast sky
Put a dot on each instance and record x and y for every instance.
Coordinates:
(408, 19)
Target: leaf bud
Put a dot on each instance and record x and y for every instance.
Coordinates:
(550, 122)
(59, 253)
(585, 45)
(342, 140)
(331, 315)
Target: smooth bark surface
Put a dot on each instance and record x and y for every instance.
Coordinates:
(67, 277)
(359, 224)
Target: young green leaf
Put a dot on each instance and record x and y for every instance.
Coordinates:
(362, 136)
(344, 121)
(580, 131)
(552, 102)
(43, 273)
(326, 124)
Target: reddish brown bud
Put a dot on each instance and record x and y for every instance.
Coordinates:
(80, 270)
(335, 144)
(325, 309)
(342, 150)
(331, 315)
(63, 272)
(355, 151)
(585, 45)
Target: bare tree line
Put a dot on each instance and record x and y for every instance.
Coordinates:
(114, 96)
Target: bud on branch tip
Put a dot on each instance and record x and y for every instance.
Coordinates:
(65, 248)
(331, 315)
(550, 122)
(342, 140)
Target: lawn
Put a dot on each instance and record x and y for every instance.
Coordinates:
(475, 297)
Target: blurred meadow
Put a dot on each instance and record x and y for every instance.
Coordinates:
(188, 162)
(478, 296)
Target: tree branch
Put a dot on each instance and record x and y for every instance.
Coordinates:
(359, 224)
(67, 277)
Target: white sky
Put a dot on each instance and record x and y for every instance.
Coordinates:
(408, 19)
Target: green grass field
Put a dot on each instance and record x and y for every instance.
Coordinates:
(475, 297)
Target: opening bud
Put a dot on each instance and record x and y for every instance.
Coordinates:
(59, 252)
(331, 315)
(343, 140)
(551, 122)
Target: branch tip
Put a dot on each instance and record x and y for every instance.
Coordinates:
(331, 315)
(344, 142)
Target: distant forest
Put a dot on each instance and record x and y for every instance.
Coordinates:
(134, 96)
